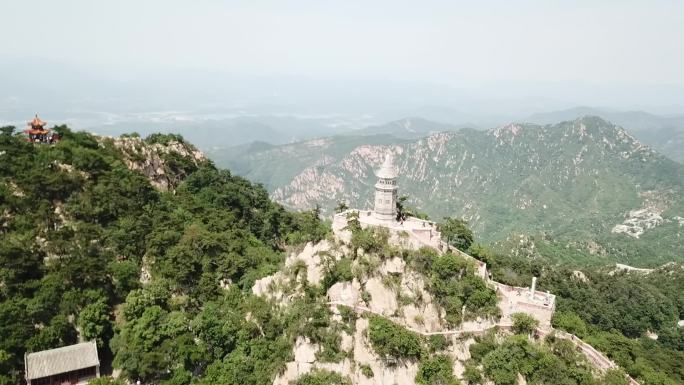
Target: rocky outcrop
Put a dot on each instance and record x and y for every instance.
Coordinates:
(347, 293)
(638, 221)
(393, 290)
(362, 355)
(152, 159)
(277, 286)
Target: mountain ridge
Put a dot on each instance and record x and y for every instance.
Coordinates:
(563, 179)
(662, 132)
(407, 128)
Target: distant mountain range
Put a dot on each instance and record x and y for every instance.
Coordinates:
(581, 191)
(663, 133)
(407, 128)
(211, 134)
(208, 133)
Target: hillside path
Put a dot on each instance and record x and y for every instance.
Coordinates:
(597, 358)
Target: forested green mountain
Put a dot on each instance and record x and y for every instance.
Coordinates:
(148, 248)
(581, 191)
(81, 231)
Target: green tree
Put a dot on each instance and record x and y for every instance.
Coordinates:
(154, 294)
(524, 323)
(482, 346)
(94, 321)
(6, 368)
(614, 377)
(366, 370)
(341, 206)
(437, 343)
(339, 271)
(436, 370)
(570, 322)
(393, 341)
(456, 233)
(353, 223)
(218, 326)
(456, 288)
(148, 347)
(471, 374)
(672, 338)
(515, 355)
(322, 377)
(7, 130)
(125, 277)
(404, 210)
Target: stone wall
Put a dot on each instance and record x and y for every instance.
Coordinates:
(423, 233)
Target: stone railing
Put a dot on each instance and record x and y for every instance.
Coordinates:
(538, 298)
(597, 358)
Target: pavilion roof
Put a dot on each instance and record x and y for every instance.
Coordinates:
(60, 360)
(37, 122)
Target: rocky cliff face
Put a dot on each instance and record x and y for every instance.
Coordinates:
(388, 286)
(585, 179)
(159, 161)
(405, 301)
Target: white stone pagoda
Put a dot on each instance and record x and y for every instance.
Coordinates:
(385, 208)
(419, 232)
(414, 233)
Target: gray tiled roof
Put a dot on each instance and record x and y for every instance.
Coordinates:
(60, 360)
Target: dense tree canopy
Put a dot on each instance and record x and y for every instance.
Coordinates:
(77, 228)
(456, 233)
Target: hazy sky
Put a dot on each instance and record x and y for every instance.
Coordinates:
(494, 46)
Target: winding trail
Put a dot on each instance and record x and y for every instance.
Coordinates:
(597, 358)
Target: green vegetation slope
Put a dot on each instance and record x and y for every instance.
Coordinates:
(148, 248)
(91, 249)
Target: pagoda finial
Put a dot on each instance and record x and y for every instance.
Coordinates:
(387, 169)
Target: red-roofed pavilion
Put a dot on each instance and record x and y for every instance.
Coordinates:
(37, 133)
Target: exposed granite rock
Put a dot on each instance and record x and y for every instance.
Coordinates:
(150, 159)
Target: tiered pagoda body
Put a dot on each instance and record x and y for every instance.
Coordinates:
(385, 208)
